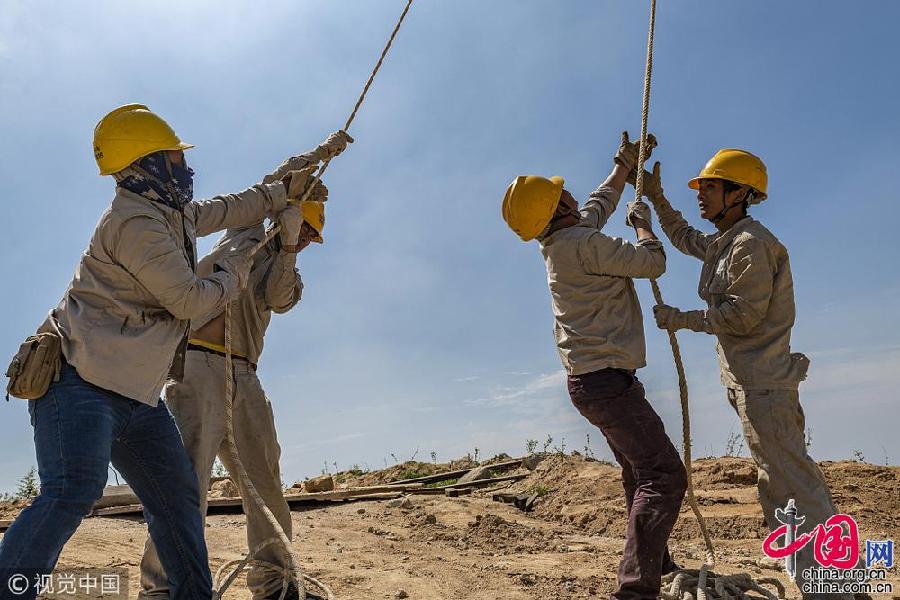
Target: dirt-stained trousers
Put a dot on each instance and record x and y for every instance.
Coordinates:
(652, 473)
(198, 407)
(774, 427)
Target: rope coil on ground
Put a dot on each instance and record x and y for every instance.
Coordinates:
(705, 583)
(678, 585)
(294, 573)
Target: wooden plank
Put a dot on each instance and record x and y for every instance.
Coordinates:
(129, 509)
(456, 474)
(455, 492)
(370, 493)
(491, 481)
(361, 497)
(354, 492)
(116, 495)
(439, 490)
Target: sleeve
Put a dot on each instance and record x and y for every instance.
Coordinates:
(685, 238)
(243, 209)
(294, 163)
(601, 204)
(146, 249)
(604, 255)
(744, 301)
(283, 286)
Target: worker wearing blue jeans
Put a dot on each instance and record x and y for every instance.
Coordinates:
(79, 429)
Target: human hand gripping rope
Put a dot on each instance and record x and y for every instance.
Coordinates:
(678, 585)
(294, 574)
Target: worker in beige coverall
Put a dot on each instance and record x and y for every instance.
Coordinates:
(746, 283)
(197, 401)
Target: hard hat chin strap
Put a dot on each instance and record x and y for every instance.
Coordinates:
(724, 211)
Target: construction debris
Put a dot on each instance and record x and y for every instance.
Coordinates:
(524, 502)
(323, 483)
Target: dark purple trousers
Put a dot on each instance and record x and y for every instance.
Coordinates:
(652, 473)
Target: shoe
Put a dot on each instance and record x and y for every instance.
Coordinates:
(669, 565)
(292, 594)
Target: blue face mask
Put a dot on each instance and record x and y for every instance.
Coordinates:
(159, 179)
(183, 182)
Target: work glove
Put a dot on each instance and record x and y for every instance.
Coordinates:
(639, 211)
(294, 163)
(291, 221)
(652, 185)
(672, 319)
(239, 265)
(296, 182)
(333, 145)
(628, 152)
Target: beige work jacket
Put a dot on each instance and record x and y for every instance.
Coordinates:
(274, 286)
(746, 282)
(598, 320)
(125, 316)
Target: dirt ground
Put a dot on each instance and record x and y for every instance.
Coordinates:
(439, 547)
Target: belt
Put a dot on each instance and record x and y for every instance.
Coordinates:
(197, 347)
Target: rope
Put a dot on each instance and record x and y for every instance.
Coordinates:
(703, 581)
(657, 294)
(275, 229)
(293, 573)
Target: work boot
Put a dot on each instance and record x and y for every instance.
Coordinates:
(292, 594)
(669, 565)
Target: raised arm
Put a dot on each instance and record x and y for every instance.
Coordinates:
(604, 255)
(333, 145)
(602, 202)
(146, 249)
(283, 284)
(243, 209)
(685, 238)
(739, 305)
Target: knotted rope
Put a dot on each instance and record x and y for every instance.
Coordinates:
(704, 582)
(294, 573)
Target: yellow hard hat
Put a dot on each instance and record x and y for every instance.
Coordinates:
(738, 166)
(131, 132)
(314, 214)
(530, 202)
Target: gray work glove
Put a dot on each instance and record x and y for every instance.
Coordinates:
(291, 221)
(672, 319)
(637, 211)
(653, 190)
(296, 182)
(333, 145)
(294, 163)
(627, 154)
(239, 265)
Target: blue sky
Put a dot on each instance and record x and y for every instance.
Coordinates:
(426, 324)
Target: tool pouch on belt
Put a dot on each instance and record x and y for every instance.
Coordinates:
(34, 367)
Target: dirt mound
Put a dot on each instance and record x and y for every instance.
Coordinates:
(587, 494)
(409, 470)
(10, 508)
(436, 547)
(723, 473)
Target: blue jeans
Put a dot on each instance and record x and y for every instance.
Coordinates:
(79, 429)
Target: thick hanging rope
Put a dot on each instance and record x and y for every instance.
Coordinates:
(657, 294)
(276, 228)
(677, 585)
(294, 573)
